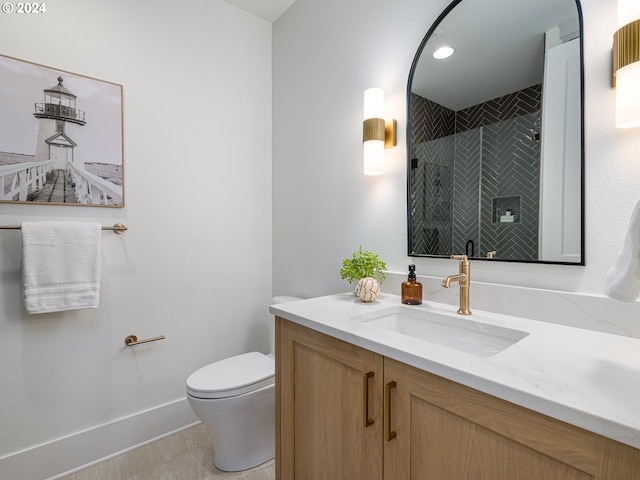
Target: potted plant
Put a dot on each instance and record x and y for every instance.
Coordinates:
(363, 264)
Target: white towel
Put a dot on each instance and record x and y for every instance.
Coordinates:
(60, 265)
(623, 280)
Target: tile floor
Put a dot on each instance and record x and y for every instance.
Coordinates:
(186, 455)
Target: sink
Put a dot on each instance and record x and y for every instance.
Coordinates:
(453, 331)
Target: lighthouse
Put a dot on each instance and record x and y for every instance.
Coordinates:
(59, 129)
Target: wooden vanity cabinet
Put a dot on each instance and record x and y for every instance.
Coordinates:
(445, 430)
(426, 428)
(320, 410)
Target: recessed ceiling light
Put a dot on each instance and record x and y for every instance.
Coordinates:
(443, 52)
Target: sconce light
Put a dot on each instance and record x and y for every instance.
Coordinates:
(376, 134)
(626, 64)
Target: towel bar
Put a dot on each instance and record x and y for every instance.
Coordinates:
(118, 228)
(132, 340)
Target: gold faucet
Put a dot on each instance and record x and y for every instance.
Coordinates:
(464, 280)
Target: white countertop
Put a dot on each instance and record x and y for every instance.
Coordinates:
(582, 377)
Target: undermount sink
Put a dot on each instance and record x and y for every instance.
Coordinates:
(455, 332)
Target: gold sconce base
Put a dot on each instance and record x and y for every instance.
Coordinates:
(626, 48)
(390, 128)
(373, 129)
(378, 129)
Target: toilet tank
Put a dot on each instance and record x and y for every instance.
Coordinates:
(284, 299)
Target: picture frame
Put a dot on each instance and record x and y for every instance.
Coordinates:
(61, 137)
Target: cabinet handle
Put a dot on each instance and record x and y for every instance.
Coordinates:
(389, 434)
(365, 399)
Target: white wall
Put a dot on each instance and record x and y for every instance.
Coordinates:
(325, 55)
(195, 264)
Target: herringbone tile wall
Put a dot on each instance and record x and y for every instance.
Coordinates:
(431, 197)
(508, 106)
(461, 184)
(468, 182)
(499, 164)
(430, 120)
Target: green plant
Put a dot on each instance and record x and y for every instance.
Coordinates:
(363, 264)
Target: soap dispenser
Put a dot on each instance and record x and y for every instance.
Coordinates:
(412, 289)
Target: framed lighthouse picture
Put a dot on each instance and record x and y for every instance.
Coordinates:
(61, 137)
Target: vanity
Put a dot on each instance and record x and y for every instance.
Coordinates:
(384, 390)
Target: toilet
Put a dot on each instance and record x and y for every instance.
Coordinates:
(235, 400)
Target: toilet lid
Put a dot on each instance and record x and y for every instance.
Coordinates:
(232, 376)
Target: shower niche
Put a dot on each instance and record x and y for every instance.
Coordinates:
(506, 210)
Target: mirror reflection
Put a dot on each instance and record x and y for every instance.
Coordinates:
(495, 148)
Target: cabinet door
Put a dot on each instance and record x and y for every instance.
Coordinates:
(323, 401)
(447, 431)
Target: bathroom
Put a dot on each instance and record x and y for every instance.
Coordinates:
(247, 197)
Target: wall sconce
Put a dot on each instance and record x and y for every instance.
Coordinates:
(626, 64)
(376, 133)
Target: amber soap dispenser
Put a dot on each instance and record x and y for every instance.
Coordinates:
(412, 289)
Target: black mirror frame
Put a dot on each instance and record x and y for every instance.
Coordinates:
(414, 64)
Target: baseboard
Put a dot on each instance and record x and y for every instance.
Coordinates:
(65, 455)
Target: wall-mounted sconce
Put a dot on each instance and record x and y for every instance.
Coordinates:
(626, 64)
(376, 133)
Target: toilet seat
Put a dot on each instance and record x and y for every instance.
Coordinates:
(232, 376)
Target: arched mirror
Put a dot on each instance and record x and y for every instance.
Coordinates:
(495, 134)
